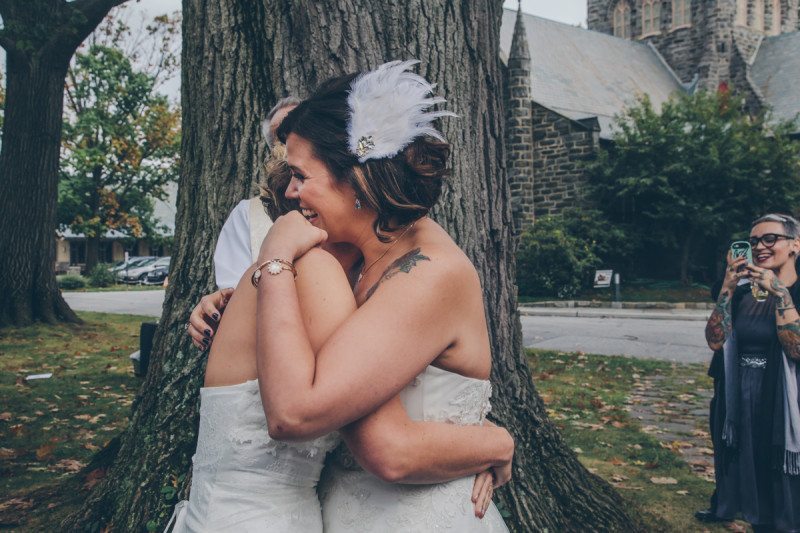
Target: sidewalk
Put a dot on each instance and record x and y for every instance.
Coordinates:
(642, 310)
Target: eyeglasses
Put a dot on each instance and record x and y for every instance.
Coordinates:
(768, 239)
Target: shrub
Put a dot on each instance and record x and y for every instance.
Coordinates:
(101, 276)
(552, 262)
(71, 281)
(558, 255)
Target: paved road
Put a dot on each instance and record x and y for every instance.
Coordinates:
(672, 340)
(146, 303)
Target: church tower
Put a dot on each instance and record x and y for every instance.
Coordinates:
(519, 127)
(707, 43)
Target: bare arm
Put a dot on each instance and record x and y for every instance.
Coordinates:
(388, 444)
(402, 327)
(720, 324)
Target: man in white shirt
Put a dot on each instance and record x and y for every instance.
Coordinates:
(237, 245)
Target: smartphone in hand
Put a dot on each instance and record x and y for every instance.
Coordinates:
(742, 249)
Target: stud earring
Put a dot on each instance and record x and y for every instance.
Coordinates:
(358, 203)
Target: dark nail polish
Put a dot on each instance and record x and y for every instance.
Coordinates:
(206, 341)
(207, 332)
(215, 316)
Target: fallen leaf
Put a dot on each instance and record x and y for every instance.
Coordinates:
(69, 465)
(616, 461)
(664, 480)
(737, 527)
(91, 447)
(45, 451)
(682, 492)
(93, 478)
(8, 453)
(5, 416)
(82, 417)
(16, 503)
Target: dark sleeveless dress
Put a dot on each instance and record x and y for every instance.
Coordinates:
(747, 480)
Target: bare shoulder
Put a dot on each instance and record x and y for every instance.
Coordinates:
(433, 263)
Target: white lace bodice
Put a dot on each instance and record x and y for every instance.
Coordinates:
(445, 396)
(243, 480)
(354, 500)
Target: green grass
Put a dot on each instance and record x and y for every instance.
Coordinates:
(641, 291)
(49, 428)
(586, 398)
(52, 427)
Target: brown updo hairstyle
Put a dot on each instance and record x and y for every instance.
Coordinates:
(400, 189)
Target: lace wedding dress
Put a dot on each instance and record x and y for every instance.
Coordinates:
(244, 481)
(354, 500)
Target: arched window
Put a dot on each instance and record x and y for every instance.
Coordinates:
(758, 15)
(775, 18)
(651, 17)
(622, 20)
(741, 12)
(682, 13)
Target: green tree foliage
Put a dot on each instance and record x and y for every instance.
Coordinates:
(120, 148)
(687, 178)
(558, 255)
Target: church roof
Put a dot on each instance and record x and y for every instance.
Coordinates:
(776, 72)
(581, 73)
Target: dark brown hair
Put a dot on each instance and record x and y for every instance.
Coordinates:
(401, 189)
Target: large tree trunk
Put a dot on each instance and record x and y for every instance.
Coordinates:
(28, 193)
(39, 38)
(237, 58)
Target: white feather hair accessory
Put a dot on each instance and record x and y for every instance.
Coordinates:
(389, 109)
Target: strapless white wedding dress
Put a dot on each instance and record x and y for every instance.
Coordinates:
(244, 481)
(356, 501)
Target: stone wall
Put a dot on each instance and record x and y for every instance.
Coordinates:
(706, 47)
(561, 148)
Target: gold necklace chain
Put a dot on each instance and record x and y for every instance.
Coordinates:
(389, 249)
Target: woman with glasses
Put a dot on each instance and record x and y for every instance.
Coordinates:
(755, 326)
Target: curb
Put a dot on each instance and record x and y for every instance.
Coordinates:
(641, 306)
(686, 314)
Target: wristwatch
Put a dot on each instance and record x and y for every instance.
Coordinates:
(273, 267)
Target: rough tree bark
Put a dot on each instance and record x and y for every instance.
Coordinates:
(40, 37)
(240, 56)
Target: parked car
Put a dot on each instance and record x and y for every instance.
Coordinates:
(133, 261)
(158, 274)
(138, 274)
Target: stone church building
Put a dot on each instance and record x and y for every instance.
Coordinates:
(566, 84)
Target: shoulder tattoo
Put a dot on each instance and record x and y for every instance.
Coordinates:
(404, 263)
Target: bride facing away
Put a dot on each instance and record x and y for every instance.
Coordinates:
(367, 166)
(246, 480)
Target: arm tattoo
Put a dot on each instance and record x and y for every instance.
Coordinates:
(789, 335)
(784, 302)
(402, 264)
(720, 324)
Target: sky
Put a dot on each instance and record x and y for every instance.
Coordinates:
(568, 11)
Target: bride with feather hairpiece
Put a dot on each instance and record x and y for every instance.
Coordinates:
(432, 437)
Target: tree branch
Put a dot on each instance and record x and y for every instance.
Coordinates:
(69, 35)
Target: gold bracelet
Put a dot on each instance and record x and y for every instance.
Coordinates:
(274, 267)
